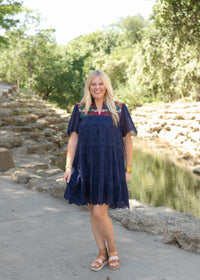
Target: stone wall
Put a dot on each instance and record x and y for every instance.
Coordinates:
(34, 131)
(177, 125)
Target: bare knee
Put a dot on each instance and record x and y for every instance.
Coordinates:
(99, 213)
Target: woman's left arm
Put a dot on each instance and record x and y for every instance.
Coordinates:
(128, 153)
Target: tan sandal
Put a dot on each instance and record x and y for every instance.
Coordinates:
(113, 261)
(100, 261)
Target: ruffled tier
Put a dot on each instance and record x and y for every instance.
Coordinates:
(98, 178)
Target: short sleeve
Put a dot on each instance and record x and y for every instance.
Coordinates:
(126, 123)
(74, 121)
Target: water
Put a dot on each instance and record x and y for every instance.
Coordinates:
(159, 182)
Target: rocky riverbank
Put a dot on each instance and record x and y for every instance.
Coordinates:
(173, 129)
(170, 226)
(34, 132)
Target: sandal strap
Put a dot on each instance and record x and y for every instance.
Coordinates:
(99, 260)
(102, 251)
(113, 254)
(114, 259)
(102, 258)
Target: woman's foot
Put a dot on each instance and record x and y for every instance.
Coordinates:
(100, 261)
(113, 261)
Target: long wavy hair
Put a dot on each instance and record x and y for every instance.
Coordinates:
(109, 99)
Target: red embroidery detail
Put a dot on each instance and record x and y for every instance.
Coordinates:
(94, 112)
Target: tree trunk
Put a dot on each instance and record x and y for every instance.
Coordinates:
(17, 84)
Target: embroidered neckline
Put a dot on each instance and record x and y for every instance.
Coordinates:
(104, 109)
(94, 112)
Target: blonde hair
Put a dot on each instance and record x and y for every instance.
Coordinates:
(108, 97)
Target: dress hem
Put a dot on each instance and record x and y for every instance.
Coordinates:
(112, 206)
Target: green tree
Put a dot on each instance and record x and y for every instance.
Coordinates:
(133, 28)
(12, 60)
(8, 9)
(178, 19)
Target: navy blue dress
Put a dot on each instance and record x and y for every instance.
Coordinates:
(99, 168)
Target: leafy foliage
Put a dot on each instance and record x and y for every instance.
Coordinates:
(178, 19)
(147, 61)
(8, 9)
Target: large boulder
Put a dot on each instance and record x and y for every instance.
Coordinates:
(6, 160)
(179, 229)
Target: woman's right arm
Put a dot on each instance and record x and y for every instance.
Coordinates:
(71, 151)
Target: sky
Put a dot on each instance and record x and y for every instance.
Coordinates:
(72, 18)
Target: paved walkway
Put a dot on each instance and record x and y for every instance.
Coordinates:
(44, 238)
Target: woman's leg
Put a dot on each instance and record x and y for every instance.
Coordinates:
(99, 239)
(102, 228)
(101, 225)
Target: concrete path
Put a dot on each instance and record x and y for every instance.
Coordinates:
(44, 238)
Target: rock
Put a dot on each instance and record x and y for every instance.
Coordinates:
(54, 120)
(58, 191)
(156, 128)
(22, 176)
(196, 169)
(181, 139)
(36, 165)
(5, 113)
(59, 126)
(42, 184)
(49, 131)
(183, 236)
(3, 95)
(10, 139)
(40, 123)
(194, 126)
(194, 136)
(12, 105)
(57, 140)
(133, 203)
(174, 227)
(59, 159)
(31, 118)
(179, 117)
(21, 121)
(8, 121)
(28, 128)
(38, 147)
(34, 135)
(50, 172)
(6, 160)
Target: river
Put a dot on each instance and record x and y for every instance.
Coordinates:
(158, 181)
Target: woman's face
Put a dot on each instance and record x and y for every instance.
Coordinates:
(97, 88)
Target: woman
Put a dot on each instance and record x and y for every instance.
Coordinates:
(95, 173)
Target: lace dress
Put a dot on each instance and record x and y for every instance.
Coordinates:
(99, 168)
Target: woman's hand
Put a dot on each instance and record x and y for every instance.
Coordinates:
(128, 176)
(67, 175)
